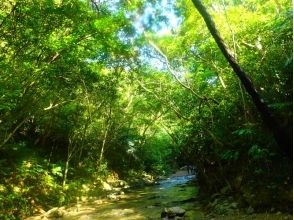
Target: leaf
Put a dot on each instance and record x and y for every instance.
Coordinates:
(243, 132)
(256, 152)
(57, 170)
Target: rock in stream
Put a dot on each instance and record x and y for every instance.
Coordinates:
(171, 213)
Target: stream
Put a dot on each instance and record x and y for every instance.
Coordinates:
(145, 203)
(148, 203)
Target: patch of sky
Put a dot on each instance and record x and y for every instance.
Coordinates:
(160, 18)
(150, 57)
(112, 5)
(180, 72)
(125, 37)
(212, 80)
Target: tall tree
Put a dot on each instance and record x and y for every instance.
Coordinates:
(281, 136)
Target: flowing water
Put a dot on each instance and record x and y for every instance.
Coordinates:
(148, 203)
(145, 203)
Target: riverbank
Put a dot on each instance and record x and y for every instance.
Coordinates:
(134, 203)
(148, 202)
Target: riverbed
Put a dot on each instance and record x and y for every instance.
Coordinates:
(145, 203)
(148, 202)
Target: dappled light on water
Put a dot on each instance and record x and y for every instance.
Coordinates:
(144, 203)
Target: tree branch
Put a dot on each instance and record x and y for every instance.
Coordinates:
(175, 76)
(282, 138)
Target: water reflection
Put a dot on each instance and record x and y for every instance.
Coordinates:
(147, 202)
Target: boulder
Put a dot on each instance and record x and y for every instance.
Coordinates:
(106, 186)
(55, 213)
(173, 212)
(112, 197)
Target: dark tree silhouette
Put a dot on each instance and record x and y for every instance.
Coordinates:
(283, 139)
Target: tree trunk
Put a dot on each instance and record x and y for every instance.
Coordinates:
(103, 144)
(65, 173)
(70, 151)
(283, 139)
(10, 135)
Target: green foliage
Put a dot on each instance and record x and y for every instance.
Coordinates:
(103, 170)
(84, 93)
(243, 132)
(227, 141)
(230, 155)
(56, 170)
(257, 153)
(30, 185)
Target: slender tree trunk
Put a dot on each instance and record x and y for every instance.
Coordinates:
(70, 152)
(103, 144)
(283, 139)
(65, 172)
(10, 135)
(105, 136)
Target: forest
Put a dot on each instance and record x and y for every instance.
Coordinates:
(133, 90)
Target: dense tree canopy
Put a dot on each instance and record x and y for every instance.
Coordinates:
(89, 88)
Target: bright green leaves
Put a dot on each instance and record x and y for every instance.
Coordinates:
(57, 2)
(57, 170)
(80, 85)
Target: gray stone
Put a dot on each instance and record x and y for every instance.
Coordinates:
(55, 213)
(112, 197)
(106, 186)
(249, 210)
(173, 212)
